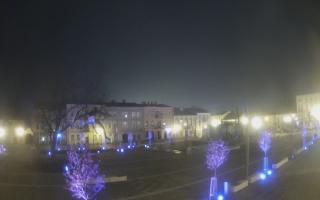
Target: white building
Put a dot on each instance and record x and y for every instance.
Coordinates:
(118, 123)
(305, 103)
(191, 124)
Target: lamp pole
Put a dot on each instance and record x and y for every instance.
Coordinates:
(245, 122)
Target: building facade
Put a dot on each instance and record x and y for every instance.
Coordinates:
(189, 125)
(305, 103)
(121, 123)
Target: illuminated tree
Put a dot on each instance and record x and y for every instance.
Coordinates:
(2, 149)
(217, 154)
(265, 142)
(83, 176)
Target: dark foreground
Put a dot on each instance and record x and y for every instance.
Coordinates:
(153, 174)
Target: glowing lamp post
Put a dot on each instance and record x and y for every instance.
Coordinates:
(265, 145)
(215, 123)
(19, 132)
(216, 155)
(2, 132)
(256, 123)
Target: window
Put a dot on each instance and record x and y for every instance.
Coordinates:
(72, 139)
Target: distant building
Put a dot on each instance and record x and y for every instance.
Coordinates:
(191, 124)
(118, 123)
(281, 123)
(304, 105)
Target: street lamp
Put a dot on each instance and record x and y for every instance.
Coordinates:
(2, 132)
(315, 112)
(256, 122)
(245, 122)
(215, 123)
(19, 131)
(99, 130)
(287, 119)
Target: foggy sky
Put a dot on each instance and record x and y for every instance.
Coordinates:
(214, 54)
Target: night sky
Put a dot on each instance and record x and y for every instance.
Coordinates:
(216, 54)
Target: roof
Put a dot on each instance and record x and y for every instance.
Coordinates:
(189, 111)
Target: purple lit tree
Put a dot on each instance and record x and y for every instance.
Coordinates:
(83, 176)
(2, 149)
(304, 136)
(217, 154)
(265, 144)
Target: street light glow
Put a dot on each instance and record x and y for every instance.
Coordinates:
(99, 130)
(177, 128)
(256, 122)
(2, 132)
(287, 119)
(244, 120)
(19, 131)
(315, 112)
(215, 123)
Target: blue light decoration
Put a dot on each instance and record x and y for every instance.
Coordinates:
(59, 135)
(217, 154)
(103, 148)
(303, 137)
(49, 153)
(220, 197)
(263, 176)
(120, 150)
(269, 172)
(58, 149)
(98, 152)
(91, 120)
(265, 145)
(2, 149)
(66, 169)
(213, 187)
(146, 146)
(226, 188)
